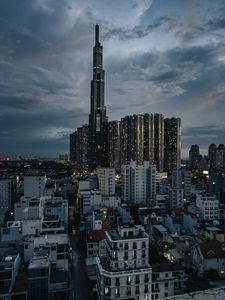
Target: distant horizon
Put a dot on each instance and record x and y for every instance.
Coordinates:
(203, 152)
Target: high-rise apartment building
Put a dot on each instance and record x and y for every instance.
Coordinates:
(172, 144)
(194, 155)
(73, 137)
(114, 144)
(106, 181)
(149, 138)
(125, 273)
(181, 179)
(212, 156)
(98, 121)
(138, 182)
(132, 139)
(82, 147)
(7, 195)
(220, 157)
(176, 198)
(159, 141)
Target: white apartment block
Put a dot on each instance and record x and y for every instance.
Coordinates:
(106, 181)
(28, 209)
(138, 182)
(181, 179)
(125, 273)
(42, 215)
(89, 200)
(176, 198)
(34, 186)
(208, 206)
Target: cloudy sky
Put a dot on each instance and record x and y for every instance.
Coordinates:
(165, 56)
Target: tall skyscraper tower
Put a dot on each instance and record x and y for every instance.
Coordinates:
(98, 148)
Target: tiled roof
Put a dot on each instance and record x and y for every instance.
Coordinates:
(212, 249)
(95, 236)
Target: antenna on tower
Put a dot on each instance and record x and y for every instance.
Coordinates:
(96, 34)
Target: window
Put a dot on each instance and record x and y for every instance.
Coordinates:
(117, 281)
(117, 292)
(166, 284)
(137, 279)
(166, 295)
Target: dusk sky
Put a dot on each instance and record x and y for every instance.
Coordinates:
(160, 56)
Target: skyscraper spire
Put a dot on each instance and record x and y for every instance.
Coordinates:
(96, 34)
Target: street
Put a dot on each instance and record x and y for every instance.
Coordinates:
(81, 288)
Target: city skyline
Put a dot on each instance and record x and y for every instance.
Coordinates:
(46, 62)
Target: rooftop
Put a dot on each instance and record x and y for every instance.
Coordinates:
(127, 232)
(39, 262)
(58, 276)
(212, 249)
(95, 235)
(160, 228)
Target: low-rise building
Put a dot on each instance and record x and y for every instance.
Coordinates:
(95, 241)
(209, 255)
(167, 280)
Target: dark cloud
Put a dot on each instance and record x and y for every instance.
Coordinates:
(166, 57)
(138, 31)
